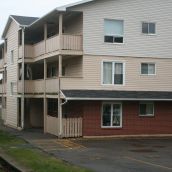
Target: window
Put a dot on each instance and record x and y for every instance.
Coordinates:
(6, 44)
(4, 102)
(114, 31)
(147, 68)
(146, 109)
(20, 37)
(112, 115)
(12, 84)
(148, 28)
(113, 73)
(12, 57)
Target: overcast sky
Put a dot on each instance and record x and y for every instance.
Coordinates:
(35, 8)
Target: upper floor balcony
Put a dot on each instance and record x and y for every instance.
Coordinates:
(41, 77)
(3, 56)
(1, 63)
(51, 85)
(60, 33)
(70, 44)
(3, 88)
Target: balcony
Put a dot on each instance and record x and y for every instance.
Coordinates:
(51, 85)
(32, 86)
(3, 88)
(1, 63)
(69, 43)
(37, 86)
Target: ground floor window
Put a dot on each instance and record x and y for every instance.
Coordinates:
(112, 115)
(146, 109)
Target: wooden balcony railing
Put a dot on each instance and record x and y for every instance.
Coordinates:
(72, 42)
(69, 42)
(32, 86)
(52, 85)
(1, 63)
(3, 88)
(52, 44)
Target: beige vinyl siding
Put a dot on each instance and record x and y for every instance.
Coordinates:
(74, 26)
(162, 81)
(12, 37)
(73, 67)
(133, 12)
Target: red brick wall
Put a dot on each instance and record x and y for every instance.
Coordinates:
(161, 123)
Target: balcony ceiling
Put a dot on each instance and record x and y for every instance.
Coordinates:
(52, 18)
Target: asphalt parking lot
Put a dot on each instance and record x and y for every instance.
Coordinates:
(119, 155)
(106, 155)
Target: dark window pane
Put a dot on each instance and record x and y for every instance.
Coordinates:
(146, 109)
(118, 75)
(152, 28)
(109, 39)
(116, 115)
(142, 109)
(118, 39)
(106, 115)
(145, 28)
(118, 79)
(144, 68)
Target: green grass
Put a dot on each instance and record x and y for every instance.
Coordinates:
(32, 158)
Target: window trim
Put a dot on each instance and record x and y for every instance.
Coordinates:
(147, 115)
(149, 63)
(117, 43)
(113, 61)
(121, 115)
(149, 34)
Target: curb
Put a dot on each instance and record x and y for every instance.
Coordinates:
(13, 163)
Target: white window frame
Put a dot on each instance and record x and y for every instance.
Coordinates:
(150, 34)
(121, 114)
(12, 57)
(147, 115)
(118, 43)
(113, 69)
(148, 63)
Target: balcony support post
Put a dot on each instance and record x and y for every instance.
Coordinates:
(59, 100)
(60, 31)
(45, 35)
(45, 100)
(22, 79)
(60, 75)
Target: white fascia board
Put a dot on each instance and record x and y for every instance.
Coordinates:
(10, 19)
(63, 8)
(116, 99)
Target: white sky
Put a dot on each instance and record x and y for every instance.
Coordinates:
(34, 8)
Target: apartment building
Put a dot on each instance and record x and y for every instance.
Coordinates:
(92, 68)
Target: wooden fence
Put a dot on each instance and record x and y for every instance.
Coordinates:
(72, 127)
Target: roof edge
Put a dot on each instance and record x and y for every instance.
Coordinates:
(64, 7)
(10, 19)
(116, 99)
